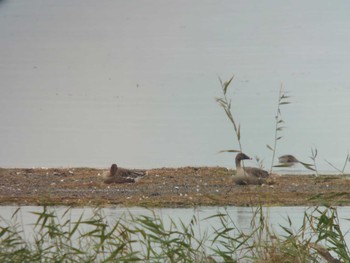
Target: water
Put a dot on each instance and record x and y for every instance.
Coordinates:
(88, 83)
(277, 217)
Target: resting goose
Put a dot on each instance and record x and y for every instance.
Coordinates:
(121, 175)
(288, 159)
(249, 171)
(248, 175)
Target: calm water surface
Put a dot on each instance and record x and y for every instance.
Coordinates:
(88, 83)
(241, 216)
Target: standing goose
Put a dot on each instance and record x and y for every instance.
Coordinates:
(121, 175)
(248, 175)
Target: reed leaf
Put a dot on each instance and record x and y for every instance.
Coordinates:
(229, 151)
(308, 166)
(225, 103)
(283, 165)
(239, 132)
(226, 85)
(269, 147)
(337, 169)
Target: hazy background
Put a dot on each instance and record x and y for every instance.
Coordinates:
(88, 83)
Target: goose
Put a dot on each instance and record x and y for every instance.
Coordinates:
(249, 171)
(121, 175)
(288, 159)
(248, 175)
(248, 180)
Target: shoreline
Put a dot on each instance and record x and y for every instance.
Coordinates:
(167, 187)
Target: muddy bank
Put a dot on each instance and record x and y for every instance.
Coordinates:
(188, 186)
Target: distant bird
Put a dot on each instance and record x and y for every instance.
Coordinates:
(288, 159)
(248, 175)
(121, 175)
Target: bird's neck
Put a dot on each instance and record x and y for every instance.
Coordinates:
(238, 164)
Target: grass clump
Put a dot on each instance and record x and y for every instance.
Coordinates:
(150, 239)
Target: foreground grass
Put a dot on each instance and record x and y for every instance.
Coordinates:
(148, 239)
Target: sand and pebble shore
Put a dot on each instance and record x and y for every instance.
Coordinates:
(166, 187)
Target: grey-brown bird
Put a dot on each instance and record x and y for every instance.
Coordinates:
(121, 175)
(288, 159)
(249, 171)
(248, 175)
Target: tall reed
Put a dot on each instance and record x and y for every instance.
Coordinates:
(342, 170)
(313, 157)
(282, 100)
(147, 238)
(226, 104)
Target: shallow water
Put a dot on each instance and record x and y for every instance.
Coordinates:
(276, 217)
(88, 83)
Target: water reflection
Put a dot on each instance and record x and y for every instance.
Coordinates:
(241, 217)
